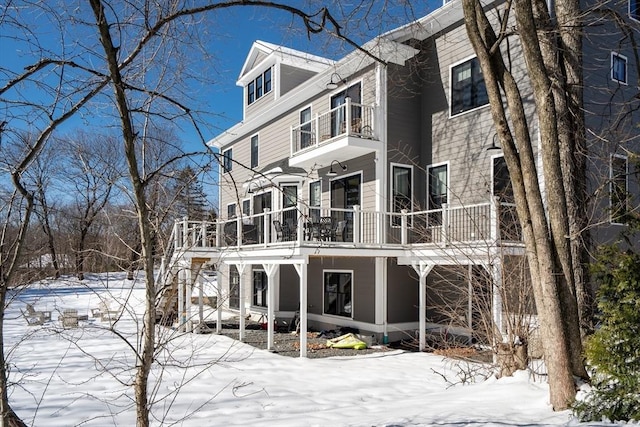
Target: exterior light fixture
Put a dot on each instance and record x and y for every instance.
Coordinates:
(334, 173)
(493, 145)
(335, 81)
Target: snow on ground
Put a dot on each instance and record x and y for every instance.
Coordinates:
(81, 376)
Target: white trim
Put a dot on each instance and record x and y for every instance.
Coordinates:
(256, 135)
(615, 55)
(446, 163)
(224, 160)
(353, 282)
(631, 16)
(236, 210)
(450, 79)
(412, 184)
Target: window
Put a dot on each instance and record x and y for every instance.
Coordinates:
(305, 128)
(339, 113)
(260, 288)
(254, 151)
(338, 293)
(618, 189)
(289, 203)
(502, 186)
(227, 160)
(618, 68)
(401, 191)
(438, 185)
(315, 193)
(468, 90)
(231, 210)
(634, 9)
(259, 87)
(246, 207)
(251, 93)
(234, 287)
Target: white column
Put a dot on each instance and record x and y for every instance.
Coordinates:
(181, 313)
(187, 297)
(271, 270)
(241, 297)
(302, 272)
(423, 271)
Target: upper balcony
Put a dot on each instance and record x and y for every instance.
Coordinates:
(342, 133)
(485, 224)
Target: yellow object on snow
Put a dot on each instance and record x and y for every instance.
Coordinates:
(347, 341)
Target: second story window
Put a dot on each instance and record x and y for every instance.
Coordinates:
(401, 190)
(227, 160)
(254, 151)
(634, 9)
(618, 68)
(468, 90)
(259, 87)
(231, 210)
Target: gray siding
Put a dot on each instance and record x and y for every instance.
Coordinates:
(402, 293)
(291, 77)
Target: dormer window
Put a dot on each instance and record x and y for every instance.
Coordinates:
(259, 87)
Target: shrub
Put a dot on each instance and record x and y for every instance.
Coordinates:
(613, 351)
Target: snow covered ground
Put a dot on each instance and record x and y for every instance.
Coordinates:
(82, 376)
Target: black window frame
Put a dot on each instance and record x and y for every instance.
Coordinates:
(259, 286)
(231, 210)
(617, 58)
(260, 86)
(227, 160)
(254, 145)
(400, 201)
(467, 94)
(336, 300)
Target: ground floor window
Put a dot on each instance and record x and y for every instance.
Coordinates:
(234, 288)
(259, 288)
(338, 290)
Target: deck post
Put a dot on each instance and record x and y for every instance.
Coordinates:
(266, 227)
(271, 270)
(357, 224)
(423, 269)
(495, 226)
(302, 272)
(445, 224)
(403, 227)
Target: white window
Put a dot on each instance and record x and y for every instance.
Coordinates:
(438, 189)
(231, 210)
(306, 135)
(618, 189)
(468, 90)
(634, 9)
(227, 160)
(338, 293)
(618, 68)
(254, 151)
(315, 195)
(401, 191)
(259, 87)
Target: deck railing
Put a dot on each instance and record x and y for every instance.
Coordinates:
(300, 225)
(330, 125)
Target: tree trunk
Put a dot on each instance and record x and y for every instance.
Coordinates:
(544, 238)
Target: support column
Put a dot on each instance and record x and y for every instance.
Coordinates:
(271, 270)
(181, 312)
(423, 269)
(200, 283)
(187, 299)
(302, 272)
(241, 267)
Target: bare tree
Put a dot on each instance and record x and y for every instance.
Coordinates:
(555, 221)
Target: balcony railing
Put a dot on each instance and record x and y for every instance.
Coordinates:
(305, 226)
(331, 125)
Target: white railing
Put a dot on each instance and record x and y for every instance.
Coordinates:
(328, 126)
(301, 225)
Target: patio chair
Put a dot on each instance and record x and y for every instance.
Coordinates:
(279, 230)
(35, 317)
(340, 231)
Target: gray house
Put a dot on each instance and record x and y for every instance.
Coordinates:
(372, 195)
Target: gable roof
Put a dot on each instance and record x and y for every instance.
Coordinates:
(263, 54)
